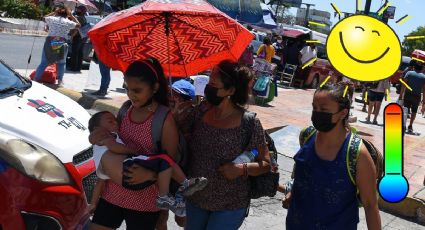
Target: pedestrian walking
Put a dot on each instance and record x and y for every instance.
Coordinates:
(410, 67)
(183, 93)
(266, 51)
(291, 52)
(159, 163)
(78, 40)
(105, 73)
(147, 90)
(323, 194)
(411, 99)
(215, 142)
(375, 98)
(278, 46)
(308, 53)
(55, 48)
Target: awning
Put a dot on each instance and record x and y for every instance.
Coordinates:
(245, 11)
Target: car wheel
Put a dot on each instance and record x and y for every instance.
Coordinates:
(315, 83)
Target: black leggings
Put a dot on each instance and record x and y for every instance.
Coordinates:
(112, 216)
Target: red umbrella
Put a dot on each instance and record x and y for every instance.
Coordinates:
(186, 36)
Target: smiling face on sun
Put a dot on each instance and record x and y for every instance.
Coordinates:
(364, 48)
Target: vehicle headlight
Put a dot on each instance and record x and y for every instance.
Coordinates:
(33, 161)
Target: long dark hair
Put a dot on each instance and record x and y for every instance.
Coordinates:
(238, 77)
(336, 92)
(150, 71)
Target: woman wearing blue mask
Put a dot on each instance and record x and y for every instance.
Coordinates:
(323, 194)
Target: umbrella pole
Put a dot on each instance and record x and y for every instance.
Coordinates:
(167, 33)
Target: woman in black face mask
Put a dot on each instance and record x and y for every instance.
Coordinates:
(324, 196)
(217, 138)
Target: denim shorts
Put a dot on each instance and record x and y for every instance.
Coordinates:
(375, 96)
(198, 218)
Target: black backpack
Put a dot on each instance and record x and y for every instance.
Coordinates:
(267, 183)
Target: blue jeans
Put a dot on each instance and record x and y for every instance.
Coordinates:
(60, 66)
(201, 219)
(105, 72)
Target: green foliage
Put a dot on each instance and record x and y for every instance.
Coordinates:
(22, 9)
(410, 45)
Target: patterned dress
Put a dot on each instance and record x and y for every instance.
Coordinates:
(136, 136)
(211, 147)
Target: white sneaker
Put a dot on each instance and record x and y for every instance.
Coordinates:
(60, 83)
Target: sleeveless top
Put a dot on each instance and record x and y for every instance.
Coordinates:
(323, 196)
(136, 136)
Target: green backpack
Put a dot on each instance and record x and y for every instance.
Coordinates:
(352, 155)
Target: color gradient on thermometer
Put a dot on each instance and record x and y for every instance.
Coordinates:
(393, 187)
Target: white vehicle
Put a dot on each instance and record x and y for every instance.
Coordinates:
(46, 166)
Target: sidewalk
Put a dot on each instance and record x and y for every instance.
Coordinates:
(291, 109)
(24, 27)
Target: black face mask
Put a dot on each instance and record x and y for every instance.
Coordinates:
(322, 121)
(211, 95)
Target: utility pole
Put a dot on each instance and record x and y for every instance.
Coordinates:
(384, 18)
(367, 7)
(307, 12)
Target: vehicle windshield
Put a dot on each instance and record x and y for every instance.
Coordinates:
(9, 79)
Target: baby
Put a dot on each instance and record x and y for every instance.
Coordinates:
(162, 164)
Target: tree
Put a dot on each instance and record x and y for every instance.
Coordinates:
(412, 44)
(281, 11)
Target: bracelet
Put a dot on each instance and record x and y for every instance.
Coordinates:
(245, 170)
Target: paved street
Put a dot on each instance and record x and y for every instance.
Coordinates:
(15, 50)
(291, 109)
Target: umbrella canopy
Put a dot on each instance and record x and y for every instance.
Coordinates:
(186, 36)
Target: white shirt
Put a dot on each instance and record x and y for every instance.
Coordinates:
(98, 151)
(307, 53)
(59, 26)
(382, 86)
(200, 81)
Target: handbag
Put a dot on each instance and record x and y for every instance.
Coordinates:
(261, 84)
(267, 183)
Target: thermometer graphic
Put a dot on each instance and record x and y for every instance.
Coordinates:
(393, 187)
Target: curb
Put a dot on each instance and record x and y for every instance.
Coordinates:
(37, 33)
(409, 207)
(90, 102)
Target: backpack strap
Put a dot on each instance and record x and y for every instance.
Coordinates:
(158, 120)
(306, 134)
(123, 111)
(353, 152)
(248, 122)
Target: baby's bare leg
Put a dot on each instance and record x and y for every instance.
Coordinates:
(178, 174)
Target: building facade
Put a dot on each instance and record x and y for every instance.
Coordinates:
(319, 16)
